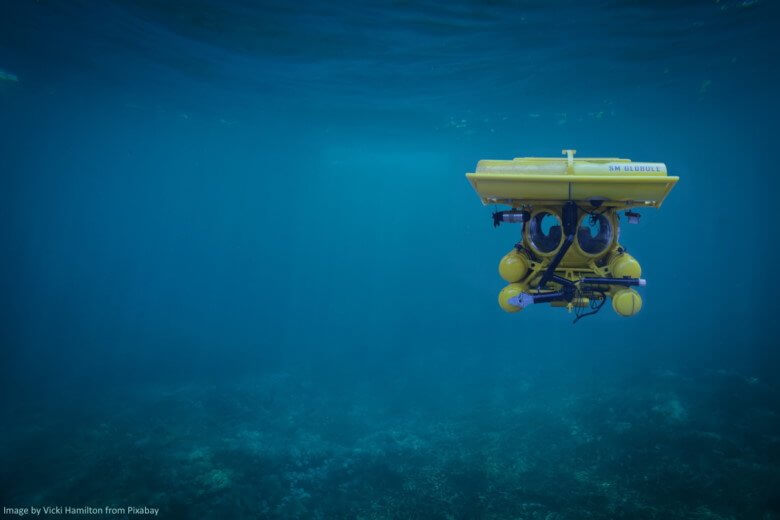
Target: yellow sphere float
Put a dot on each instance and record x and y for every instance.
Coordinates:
(622, 265)
(626, 302)
(512, 290)
(513, 266)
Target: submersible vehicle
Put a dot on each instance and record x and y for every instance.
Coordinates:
(569, 210)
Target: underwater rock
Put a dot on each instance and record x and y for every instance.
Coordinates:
(672, 409)
(215, 480)
(295, 504)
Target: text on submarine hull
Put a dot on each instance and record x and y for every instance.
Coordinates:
(569, 255)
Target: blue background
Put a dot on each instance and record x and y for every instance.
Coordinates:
(219, 192)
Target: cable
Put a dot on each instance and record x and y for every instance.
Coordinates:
(595, 307)
(592, 213)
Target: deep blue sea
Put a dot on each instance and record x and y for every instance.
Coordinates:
(243, 275)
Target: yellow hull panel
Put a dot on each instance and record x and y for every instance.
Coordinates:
(615, 182)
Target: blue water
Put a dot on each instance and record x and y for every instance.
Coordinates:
(243, 275)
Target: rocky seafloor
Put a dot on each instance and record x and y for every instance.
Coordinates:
(662, 445)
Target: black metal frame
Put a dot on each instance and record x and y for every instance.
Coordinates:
(570, 230)
(585, 287)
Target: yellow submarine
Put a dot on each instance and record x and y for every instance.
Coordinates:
(569, 255)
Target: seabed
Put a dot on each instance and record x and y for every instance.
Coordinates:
(662, 445)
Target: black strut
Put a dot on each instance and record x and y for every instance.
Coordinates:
(569, 229)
